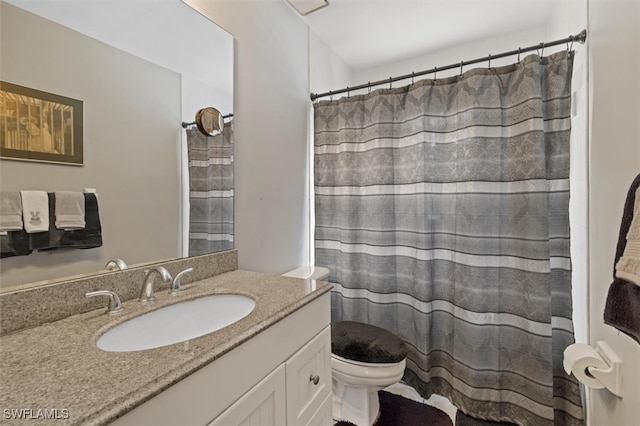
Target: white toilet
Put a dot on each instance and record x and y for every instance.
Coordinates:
(309, 273)
(364, 360)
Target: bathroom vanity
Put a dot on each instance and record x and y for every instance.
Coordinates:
(282, 376)
(272, 367)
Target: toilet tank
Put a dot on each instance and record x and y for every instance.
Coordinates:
(309, 272)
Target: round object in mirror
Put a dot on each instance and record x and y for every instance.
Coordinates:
(209, 121)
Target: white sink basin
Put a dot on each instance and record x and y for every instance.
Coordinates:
(177, 323)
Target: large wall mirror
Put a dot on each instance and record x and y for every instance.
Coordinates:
(141, 69)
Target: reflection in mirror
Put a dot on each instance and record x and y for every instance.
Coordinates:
(140, 69)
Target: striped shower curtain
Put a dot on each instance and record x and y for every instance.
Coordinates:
(442, 211)
(210, 191)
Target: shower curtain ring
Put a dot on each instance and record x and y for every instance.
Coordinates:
(569, 47)
(369, 87)
(461, 67)
(330, 95)
(489, 60)
(348, 92)
(518, 55)
(390, 81)
(435, 74)
(413, 77)
(542, 53)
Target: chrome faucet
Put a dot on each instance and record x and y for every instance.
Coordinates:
(176, 285)
(116, 264)
(148, 289)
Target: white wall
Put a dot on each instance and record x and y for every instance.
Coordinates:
(614, 91)
(327, 71)
(480, 48)
(271, 101)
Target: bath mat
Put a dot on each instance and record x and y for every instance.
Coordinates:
(464, 420)
(397, 410)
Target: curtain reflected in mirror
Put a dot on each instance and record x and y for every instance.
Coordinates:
(210, 191)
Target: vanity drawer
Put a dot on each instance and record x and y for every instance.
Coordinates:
(308, 376)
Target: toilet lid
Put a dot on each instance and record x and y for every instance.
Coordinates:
(362, 342)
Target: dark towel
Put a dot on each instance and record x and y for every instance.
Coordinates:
(89, 237)
(622, 309)
(15, 243)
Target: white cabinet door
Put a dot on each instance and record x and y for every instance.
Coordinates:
(309, 379)
(324, 415)
(263, 405)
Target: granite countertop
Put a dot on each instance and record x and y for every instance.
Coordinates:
(57, 366)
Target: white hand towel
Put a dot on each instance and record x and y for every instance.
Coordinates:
(69, 210)
(628, 266)
(35, 211)
(10, 211)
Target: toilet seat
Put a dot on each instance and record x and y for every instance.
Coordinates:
(357, 341)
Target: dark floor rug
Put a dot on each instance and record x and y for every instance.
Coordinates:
(463, 420)
(396, 410)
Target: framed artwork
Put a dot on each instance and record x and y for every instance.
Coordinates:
(40, 126)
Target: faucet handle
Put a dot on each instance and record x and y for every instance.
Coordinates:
(115, 305)
(176, 285)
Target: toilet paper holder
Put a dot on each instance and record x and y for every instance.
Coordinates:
(610, 377)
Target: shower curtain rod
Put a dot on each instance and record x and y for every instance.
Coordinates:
(580, 38)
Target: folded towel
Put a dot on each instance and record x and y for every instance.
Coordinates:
(35, 211)
(50, 239)
(622, 308)
(628, 267)
(69, 208)
(10, 211)
(89, 237)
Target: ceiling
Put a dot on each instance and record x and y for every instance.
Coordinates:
(368, 33)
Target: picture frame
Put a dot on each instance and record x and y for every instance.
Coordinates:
(40, 126)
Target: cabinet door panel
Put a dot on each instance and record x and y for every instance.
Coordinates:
(308, 379)
(323, 416)
(263, 405)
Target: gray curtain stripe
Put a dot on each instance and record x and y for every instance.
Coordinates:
(211, 195)
(442, 214)
(436, 114)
